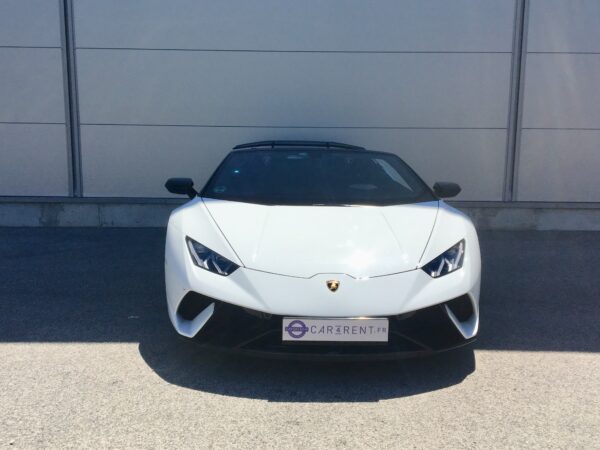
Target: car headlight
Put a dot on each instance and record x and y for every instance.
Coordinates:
(209, 260)
(447, 262)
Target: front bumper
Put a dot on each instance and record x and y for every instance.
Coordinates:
(425, 331)
(244, 310)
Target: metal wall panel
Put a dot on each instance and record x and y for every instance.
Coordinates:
(561, 91)
(326, 25)
(560, 140)
(564, 26)
(31, 85)
(33, 160)
(431, 77)
(560, 166)
(135, 161)
(30, 23)
(293, 89)
(33, 139)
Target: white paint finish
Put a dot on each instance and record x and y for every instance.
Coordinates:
(293, 89)
(33, 160)
(125, 161)
(205, 230)
(31, 85)
(564, 26)
(383, 25)
(190, 328)
(293, 296)
(559, 165)
(451, 227)
(469, 327)
(561, 91)
(359, 241)
(30, 23)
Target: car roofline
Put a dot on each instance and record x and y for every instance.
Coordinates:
(319, 144)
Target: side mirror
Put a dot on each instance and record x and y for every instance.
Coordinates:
(446, 189)
(183, 186)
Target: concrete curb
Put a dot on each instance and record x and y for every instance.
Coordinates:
(129, 213)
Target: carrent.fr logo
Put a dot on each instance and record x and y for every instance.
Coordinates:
(296, 329)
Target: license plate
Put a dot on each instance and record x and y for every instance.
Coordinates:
(334, 330)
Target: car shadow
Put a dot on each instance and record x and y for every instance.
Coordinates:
(187, 364)
(539, 293)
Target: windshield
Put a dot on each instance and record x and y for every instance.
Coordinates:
(316, 177)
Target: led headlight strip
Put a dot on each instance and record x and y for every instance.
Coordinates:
(447, 262)
(209, 260)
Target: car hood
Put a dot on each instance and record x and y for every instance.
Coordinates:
(302, 241)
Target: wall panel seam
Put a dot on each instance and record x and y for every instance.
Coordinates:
(513, 100)
(177, 201)
(290, 126)
(297, 51)
(31, 123)
(76, 187)
(516, 99)
(65, 77)
(561, 128)
(563, 53)
(31, 46)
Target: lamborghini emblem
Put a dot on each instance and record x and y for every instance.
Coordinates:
(333, 285)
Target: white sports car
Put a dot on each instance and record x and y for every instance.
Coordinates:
(321, 248)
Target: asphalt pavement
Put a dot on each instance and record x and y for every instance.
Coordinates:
(88, 359)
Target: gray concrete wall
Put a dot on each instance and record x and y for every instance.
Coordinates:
(167, 88)
(159, 89)
(155, 213)
(34, 158)
(560, 142)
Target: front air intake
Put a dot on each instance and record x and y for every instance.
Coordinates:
(193, 304)
(461, 307)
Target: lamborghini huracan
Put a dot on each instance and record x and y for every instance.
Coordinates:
(321, 249)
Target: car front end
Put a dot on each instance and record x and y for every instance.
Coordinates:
(357, 307)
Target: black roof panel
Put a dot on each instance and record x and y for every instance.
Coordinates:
(274, 144)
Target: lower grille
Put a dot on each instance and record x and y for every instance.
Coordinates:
(422, 331)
